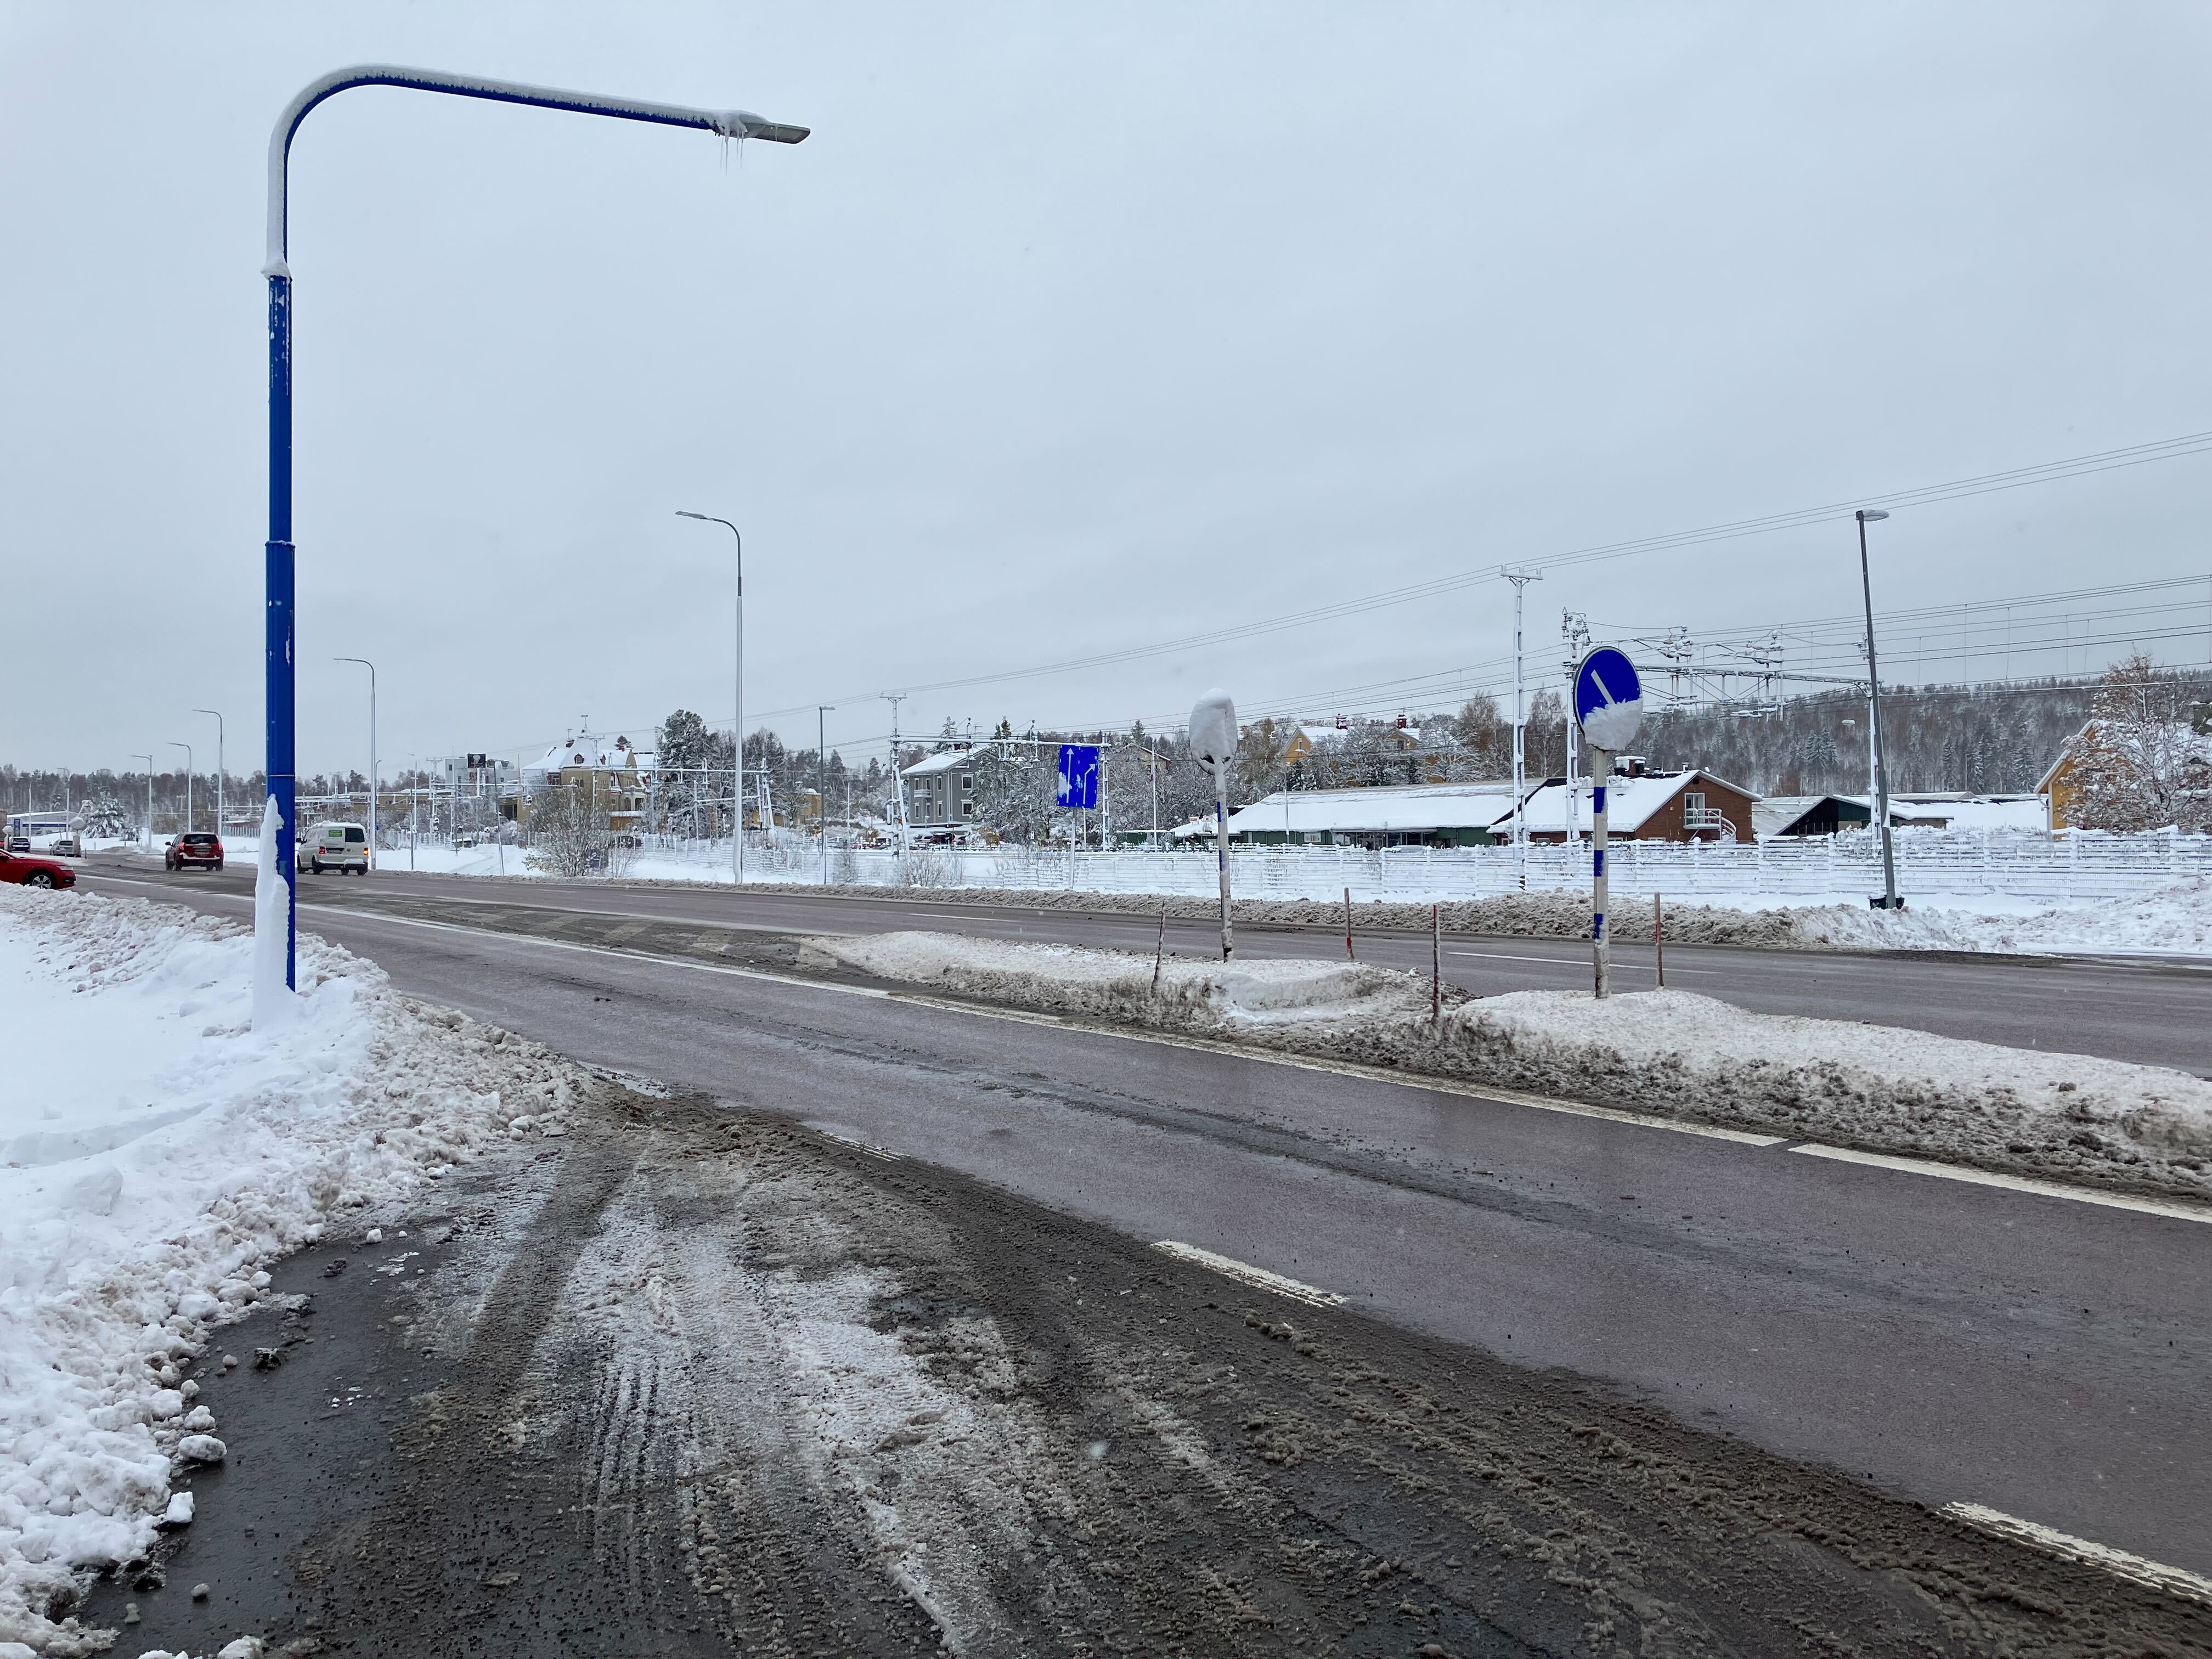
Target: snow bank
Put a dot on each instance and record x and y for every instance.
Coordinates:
(1207, 995)
(156, 1151)
(1668, 1053)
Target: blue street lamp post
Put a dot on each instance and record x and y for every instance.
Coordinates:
(278, 628)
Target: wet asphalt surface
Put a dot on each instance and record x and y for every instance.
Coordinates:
(698, 1380)
(2149, 1011)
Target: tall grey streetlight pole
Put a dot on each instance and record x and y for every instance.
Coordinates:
(218, 769)
(149, 759)
(187, 748)
(737, 727)
(1888, 900)
(821, 782)
(371, 666)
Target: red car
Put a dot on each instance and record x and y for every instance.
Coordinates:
(197, 849)
(29, 872)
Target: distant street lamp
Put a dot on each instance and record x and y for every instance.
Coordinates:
(822, 783)
(277, 653)
(1888, 900)
(218, 769)
(737, 728)
(149, 759)
(187, 748)
(371, 666)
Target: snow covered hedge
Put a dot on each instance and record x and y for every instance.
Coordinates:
(1668, 1053)
(157, 1152)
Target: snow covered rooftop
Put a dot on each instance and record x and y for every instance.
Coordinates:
(599, 754)
(1630, 802)
(950, 761)
(1311, 812)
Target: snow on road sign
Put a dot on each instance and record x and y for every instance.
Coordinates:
(1608, 698)
(1078, 775)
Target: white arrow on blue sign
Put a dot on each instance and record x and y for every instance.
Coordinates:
(1078, 775)
(1608, 698)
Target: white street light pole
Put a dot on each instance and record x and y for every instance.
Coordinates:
(371, 666)
(149, 759)
(1889, 900)
(1520, 576)
(187, 748)
(218, 769)
(737, 727)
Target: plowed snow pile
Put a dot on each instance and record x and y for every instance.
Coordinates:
(156, 1153)
(1248, 994)
(1665, 1053)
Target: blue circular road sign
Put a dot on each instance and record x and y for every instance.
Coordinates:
(1608, 698)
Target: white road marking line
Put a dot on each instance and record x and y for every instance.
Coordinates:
(2173, 1209)
(2175, 1581)
(1347, 1069)
(883, 1152)
(1245, 1273)
(1567, 961)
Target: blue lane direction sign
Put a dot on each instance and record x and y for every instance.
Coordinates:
(1078, 775)
(1608, 699)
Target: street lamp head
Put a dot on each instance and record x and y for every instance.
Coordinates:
(681, 514)
(1871, 515)
(743, 123)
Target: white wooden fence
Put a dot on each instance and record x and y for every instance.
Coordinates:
(1930, 864)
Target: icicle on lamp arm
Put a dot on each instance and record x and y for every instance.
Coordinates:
(278, 642)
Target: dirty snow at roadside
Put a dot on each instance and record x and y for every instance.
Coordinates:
(157, 1151)
(1668, 1053)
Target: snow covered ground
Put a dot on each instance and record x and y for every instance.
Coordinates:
(1667, 1053)
(156, 1151)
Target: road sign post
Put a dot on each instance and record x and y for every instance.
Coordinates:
(1078, 790)
(1608, 709)
(1213, 741)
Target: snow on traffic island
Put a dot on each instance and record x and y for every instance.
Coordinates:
(157, 1151)
(1667, 1053)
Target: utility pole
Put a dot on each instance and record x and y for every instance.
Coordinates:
(371, 666)
(218, 769)
(898, 783)
(1520, 576)
(822, 783)
(1888, 900)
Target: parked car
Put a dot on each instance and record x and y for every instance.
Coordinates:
(340, 846)
(198, 849)
(19, 843)
(35, 872)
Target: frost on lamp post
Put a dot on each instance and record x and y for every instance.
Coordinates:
(1213, 740)
(278, 625)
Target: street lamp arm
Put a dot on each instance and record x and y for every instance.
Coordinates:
(727, 123)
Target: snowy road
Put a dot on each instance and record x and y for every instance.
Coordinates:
(2042, 1357)
(2151, 1013)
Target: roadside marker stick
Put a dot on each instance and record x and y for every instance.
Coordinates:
(1659, 938)
(1348, 957)
(1160, 950)
(1436, 964)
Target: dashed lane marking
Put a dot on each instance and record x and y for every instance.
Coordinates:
(2172, 1209)
(1245, 1273)
(2174, 1581)
(883, 1152)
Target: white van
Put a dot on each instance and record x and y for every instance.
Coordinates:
(341, 847)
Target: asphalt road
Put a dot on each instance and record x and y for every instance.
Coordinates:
(2044, 1356)
(2151, 1013)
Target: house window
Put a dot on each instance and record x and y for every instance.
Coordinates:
(1693, 800)
(967, 783)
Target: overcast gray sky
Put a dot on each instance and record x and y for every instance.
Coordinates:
(1069, 330)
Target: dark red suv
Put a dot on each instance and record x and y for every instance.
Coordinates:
(198, 849)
